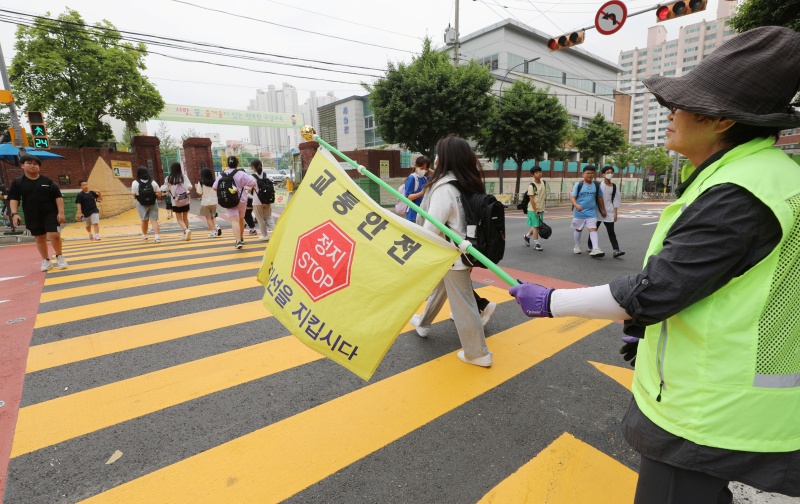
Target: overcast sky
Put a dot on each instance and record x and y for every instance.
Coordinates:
(376, 31)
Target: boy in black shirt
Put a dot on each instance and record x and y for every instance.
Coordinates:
(87, 209)
(43, 206)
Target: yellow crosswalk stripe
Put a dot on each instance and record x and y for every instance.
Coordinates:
(84, 412)
(568, 471)
(623, 376)
(103, 308)
(278, 461)
(59, 353)
(171, 265)
(131, 283)
(148, 247)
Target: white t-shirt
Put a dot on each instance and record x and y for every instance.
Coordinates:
(607, 192)
(135, 187)
(208, 196)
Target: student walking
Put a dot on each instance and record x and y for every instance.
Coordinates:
(241, 182)
(86, 201)
(43, 205)
(716, 386)
(587, 199)
(208, 201)
(611, 202)
(177, 187)
(415, 185)
(537, 197)
(455, 163)
(263, 197)
(146, 192)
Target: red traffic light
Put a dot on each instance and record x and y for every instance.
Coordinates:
(678, 9)
(564, 41)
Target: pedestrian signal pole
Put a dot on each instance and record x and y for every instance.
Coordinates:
(19, 133)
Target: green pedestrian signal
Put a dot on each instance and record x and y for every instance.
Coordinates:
(38, 130)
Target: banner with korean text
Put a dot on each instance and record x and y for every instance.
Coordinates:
(343, 274)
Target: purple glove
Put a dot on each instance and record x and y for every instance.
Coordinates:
(630, 348)
(534, 299)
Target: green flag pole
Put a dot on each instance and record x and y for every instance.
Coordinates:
(464, 245)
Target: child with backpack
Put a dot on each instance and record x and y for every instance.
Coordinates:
(263, 198)
(537, 197)
(232, 186)
(455, 163)
(611, 203)
(414, 188)
(208, 201)
(177, 187)
(146, 193)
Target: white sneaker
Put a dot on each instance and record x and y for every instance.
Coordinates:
(91, 237)
(213, 234)
(596, 253)
(158, 239)
(46, 265)
(144, 237)
(485, 361)
(421, 331)
(265, 238)
(487, 313)
(97, 237)
(187, 235)
(62, 263)
(576, 249)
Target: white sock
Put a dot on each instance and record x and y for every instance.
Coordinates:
(536, 242)
(577, 235)
(593, 237)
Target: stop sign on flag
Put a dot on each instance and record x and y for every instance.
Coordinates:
(323, 260)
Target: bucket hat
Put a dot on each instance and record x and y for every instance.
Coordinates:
(751, 79)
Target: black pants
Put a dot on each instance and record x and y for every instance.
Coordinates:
(482, 302)
(612, 235)
(248, 218)
(661, 483)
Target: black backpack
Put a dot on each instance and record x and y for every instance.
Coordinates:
(486, 223)
(228, 195)
(265, 190)
(147, 195)
(526, 199)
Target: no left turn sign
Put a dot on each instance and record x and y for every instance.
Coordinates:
(610, 17)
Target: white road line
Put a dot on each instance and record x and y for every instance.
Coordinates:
(8, 278)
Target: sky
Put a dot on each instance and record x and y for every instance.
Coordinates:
(359, 33)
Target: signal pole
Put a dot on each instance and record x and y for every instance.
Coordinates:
(455, 46)
(11, 107)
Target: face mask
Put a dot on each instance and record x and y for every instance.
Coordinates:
(609, 176)
(421, 172)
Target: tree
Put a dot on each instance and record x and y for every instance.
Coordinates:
(77, 74)
(168, 145)
(754, 13)
(417, 104)
(623, 157)
(524, 124)
(190, 133)
(599, 137)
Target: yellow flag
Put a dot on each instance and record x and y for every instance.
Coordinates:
(343, 274)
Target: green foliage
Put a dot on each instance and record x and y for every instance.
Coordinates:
(755, 13)
(623, 157)
(417, 104)
(599, 138)
(190, 133)
(168, 146)
(76, 74)
(524, 124)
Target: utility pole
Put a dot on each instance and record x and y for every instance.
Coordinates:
(455, 46)
(18, 141)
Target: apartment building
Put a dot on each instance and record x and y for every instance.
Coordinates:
(282, 100)
(673, 58)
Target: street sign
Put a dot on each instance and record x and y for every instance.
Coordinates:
(610, 17)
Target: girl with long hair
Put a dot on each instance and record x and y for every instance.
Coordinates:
(244, 183)
(455, 164)
(208, 201)
(178, 187)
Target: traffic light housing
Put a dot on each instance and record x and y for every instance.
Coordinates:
(677, 9)
(567, 40)
(38, 131)
(13, 136)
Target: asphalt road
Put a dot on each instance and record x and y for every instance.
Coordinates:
(155, 375)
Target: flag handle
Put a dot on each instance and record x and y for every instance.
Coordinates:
(457, 239)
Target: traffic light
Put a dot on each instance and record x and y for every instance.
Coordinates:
(38, 131)
(6, 96)
(678, 9)
(564, 41)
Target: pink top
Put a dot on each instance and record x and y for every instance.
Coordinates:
(242, 181)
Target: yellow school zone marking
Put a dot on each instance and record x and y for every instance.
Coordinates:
(149, 247)
(64, 418)
(171, 265)
(80, 348)
(148, 280)
(102, 308)
(277, 461)
(568, 471)
(623, 376)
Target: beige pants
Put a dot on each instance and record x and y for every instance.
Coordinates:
(456, 286)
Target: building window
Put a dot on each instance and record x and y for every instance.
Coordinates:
(656, 67)
(712, 27)
(655, 58)
(690, 49)
(641, 70)
(669, 72)
(656, 50)
(671, 55)
(642, 53)
(711, 36)
(693, 30)
(490, 62)
(626, 65)
(641, 62)
(689, 58)
(710, 46)
(672, 45)
(687, 68)
(691, 40)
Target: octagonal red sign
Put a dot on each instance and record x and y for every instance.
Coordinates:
(323, 260)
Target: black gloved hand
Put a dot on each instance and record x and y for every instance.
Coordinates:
(630, 348)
